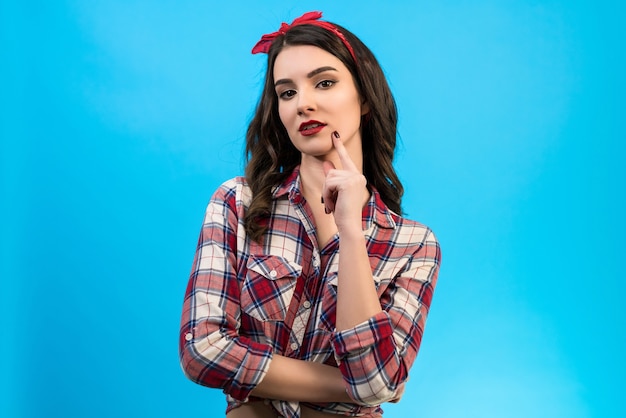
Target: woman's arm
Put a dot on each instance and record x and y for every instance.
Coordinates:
(375, 356)
(345, 193)
(289, 379)
(377, 336)
(212, 353)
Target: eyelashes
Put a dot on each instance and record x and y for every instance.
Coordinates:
(322, 85)
(325, 84)
(287, 94)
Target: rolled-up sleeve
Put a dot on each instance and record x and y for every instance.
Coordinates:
(212, 353)
(376, 355)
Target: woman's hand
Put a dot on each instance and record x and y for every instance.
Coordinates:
(344, 192)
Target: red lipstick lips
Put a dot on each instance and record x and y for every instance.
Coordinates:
(311, 127)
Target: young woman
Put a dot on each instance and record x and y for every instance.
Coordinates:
(309, 292)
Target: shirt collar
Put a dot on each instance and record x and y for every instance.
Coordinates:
(291, 183)
(375, 211)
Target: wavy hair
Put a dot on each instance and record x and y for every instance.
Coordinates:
(271, 157)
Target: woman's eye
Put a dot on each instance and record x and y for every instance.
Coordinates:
(287, 94)
(325, 84)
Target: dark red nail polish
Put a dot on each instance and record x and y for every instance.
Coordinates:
(336, 134)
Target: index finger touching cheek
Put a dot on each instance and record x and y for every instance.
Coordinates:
(344, 157)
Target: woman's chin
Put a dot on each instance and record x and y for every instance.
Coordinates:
(320, 151)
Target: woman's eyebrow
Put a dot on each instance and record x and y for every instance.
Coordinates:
(320, 70)
(309, 75)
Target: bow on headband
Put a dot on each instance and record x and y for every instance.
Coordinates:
(310, 18)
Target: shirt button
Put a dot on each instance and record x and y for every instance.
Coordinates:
(273, 273)
(306, 304)
(188, 336)
(294, 346)
(316, 262)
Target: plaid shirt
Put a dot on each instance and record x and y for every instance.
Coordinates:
(247, 300)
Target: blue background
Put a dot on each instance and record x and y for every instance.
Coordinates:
(120, 118)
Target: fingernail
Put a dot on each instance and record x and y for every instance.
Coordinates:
(326, 210)
(336, 134)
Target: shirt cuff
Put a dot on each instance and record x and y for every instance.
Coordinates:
(362, 336)
(253, 369)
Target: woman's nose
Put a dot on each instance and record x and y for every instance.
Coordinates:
(306, 103)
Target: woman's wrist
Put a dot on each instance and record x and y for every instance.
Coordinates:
(352, 231)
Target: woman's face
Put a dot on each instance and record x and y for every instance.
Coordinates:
(316, 96)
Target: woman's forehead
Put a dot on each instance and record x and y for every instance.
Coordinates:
(294, 60)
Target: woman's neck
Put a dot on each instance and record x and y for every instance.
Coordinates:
(312, 178)
(312, 173)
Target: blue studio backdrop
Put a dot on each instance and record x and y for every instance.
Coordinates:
(120, 118)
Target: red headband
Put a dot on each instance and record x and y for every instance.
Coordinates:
(310, 18)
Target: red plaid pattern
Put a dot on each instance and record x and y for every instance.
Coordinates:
(247, 300)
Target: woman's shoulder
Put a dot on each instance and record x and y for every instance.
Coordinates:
(235, 190)
(390, 220)
(411, 228)
(233, 183)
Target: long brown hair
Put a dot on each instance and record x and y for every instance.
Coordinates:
(270, 155)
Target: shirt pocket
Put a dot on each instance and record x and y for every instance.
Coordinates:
(268, 287)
